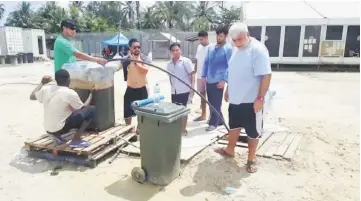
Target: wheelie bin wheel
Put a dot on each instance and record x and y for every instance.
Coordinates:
(138, 175)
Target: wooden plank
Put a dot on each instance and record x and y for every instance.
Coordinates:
(281, 150)
(108, 138)
(276, 141)
(239, 144)
(263, 144)
(292, 148)
(36, 139)
(112, 147)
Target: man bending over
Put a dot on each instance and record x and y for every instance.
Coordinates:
(63, 109)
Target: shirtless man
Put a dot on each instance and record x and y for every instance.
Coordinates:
(135, 76)
(63, 109)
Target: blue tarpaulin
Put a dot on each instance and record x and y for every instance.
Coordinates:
(118, 39)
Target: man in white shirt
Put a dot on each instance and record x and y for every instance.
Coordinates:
(181, 67)
(63, 109)
(201, 54)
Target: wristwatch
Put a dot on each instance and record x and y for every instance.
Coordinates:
(260, 98)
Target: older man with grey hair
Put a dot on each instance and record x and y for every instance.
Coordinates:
(249, 76)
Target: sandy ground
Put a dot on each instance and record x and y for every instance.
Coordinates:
(323, 107)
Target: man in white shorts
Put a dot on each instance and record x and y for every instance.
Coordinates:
(201, 54)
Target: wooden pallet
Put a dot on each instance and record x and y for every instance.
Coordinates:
(281, 145)
(101, 144)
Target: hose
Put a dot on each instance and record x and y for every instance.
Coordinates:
(15, 83)
(190, 87)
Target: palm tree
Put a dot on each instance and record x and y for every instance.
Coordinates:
(137, 10)
(127, 10)
(2, 11)
(22, 17)
(150, 19)
(174, 13)
(206, 9)
(52, 15)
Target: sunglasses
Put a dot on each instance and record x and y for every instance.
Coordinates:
(136, 47)
(72, 28)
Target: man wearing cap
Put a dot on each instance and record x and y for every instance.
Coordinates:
(65, 52)
(249, 76)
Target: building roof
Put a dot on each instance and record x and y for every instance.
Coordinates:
(301, 9)
(170, 37)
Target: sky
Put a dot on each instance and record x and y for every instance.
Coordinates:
(255, 9)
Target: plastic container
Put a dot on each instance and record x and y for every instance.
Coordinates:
(156, 94)
(83, 77)
(160, 142)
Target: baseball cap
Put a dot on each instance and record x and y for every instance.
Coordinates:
(68, 24)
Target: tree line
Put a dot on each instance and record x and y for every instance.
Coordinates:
(109, 16)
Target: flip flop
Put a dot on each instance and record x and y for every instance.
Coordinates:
(251, 167)
(222, 152)
(79, 144)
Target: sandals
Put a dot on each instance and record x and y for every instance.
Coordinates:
(223, 152)
(251, 167)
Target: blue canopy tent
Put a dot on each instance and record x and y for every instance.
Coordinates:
(117, 40)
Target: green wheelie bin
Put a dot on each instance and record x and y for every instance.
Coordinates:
(160, 127)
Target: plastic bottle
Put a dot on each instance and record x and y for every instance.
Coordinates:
(156, 94)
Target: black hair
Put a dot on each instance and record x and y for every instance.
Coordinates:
(222, 29)
(131, 41)
(202, 34)
(173, 45)
(62, 77)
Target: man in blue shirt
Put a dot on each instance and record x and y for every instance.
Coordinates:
(215, 75)
(249, 76)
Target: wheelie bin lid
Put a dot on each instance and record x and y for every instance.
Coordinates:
(163, 111)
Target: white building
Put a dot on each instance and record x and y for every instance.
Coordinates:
(307, 32)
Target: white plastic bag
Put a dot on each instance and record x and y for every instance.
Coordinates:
(90, 71)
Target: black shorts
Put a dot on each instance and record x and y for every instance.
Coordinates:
(180, 99)
(131, 95)
(243, 116)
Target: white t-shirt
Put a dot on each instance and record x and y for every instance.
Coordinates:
(200, 56)
(56, 100)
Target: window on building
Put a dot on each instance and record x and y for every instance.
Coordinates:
(292, 41)
(334, 32)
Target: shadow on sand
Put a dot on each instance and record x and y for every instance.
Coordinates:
(32, 165)
(128, 189)
(214, 176)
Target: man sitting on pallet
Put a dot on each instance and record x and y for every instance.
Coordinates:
(63, 109)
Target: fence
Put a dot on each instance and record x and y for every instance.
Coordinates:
(157, 41)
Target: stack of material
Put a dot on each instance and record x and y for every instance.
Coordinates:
(86, 75)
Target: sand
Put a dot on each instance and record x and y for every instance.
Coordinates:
(323, 107)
